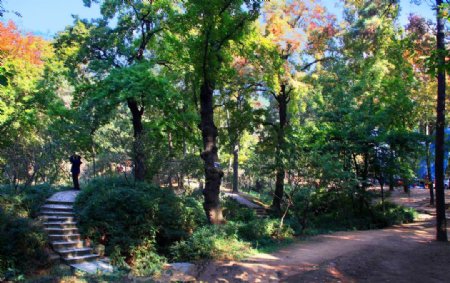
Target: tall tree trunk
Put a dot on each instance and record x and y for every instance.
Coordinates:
(365, 172)
(391, 174)
(213, 174)
(282, 100)
(441, 225)
(171, 159)
(381, 181)
(236, 167)
(138, 143)
(94, 165)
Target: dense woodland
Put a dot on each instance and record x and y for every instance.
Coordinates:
(171, 102)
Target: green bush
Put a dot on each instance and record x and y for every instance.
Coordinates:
(146, 260)
(326, 210)
(22, 240)
(22, 246)
(25, 202)
(211, 242)
(233, 211)
(126, 216)
(265, 231)
(391, 214)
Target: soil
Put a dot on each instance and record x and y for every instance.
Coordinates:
(403, 253)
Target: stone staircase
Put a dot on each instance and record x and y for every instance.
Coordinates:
(59, 222)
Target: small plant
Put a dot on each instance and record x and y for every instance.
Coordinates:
(146, 261)
(210, 242)
(233, 211)
(388, 214)
(265, 231)
(22, 246)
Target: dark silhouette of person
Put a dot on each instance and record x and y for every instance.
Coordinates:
(76, 162)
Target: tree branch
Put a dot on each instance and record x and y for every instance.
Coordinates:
(305, 67)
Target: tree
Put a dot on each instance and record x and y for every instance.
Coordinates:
(208, 27)
(365, 120)
(96, 49)
(294, 37)
(441, 225)
(22, 65)
(421, 35)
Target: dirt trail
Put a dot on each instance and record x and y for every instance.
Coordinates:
(404, 253)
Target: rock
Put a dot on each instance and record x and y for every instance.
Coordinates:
(178, 272)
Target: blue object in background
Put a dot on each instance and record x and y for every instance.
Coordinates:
(422, 170)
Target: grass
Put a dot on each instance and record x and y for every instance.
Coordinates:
(63, 274)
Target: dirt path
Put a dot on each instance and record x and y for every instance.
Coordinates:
(404, 253)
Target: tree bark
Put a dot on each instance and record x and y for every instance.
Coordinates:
(138, 143)
(441, 225)
(282, 100)
(213, 174)
(382, 191)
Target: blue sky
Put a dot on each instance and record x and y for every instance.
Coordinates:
(47, 17)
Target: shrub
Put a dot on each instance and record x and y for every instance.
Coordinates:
(125, 217)
(326, 210)
(146, 260)
(233, 211)
(210, 242)
(22, 246)
(25, 202)
(265, 231)
(22, 241)
(392, 214)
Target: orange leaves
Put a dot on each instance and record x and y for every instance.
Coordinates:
(13, 45)
(242, 66)
(296, 25)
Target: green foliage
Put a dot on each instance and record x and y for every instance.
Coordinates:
(389, 214)
(211, 242)
(22, 246)
(233, 211)
(23, 242)
(146, 260)
(25, 202)
(265, 231)
(134, 220)
(317, 211)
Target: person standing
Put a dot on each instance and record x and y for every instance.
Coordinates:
(75, 159)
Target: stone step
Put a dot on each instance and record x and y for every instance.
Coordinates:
(74, 252)
(57, 218)
(67, 244)
(93, 267)
(59, 202)
(61, 231)
(57, 207)
(62, 237)
(60, 224)
(57, 213)
(79, 259)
